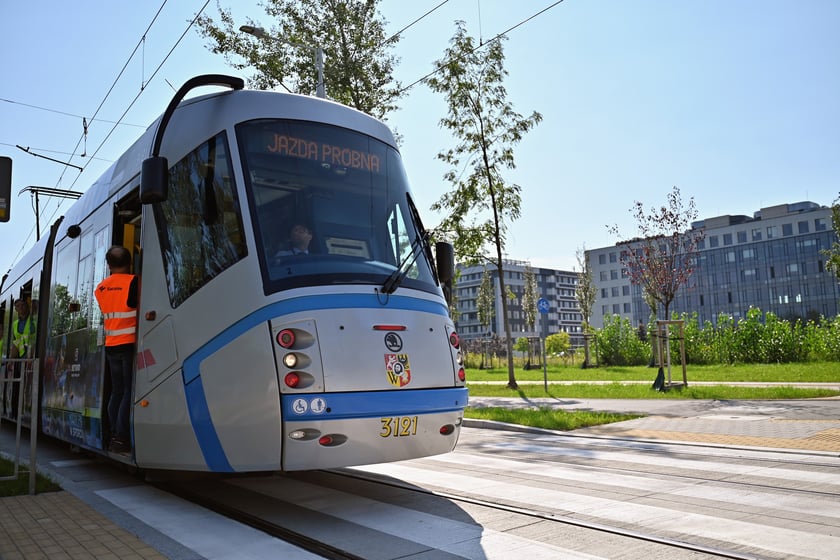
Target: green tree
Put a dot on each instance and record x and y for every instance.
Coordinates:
(585, 294)
(486, 128)
(486, 301)
(833, 253)
(529, 298)
(358, 66)
(529, 307)
(663, 258)
(557, 343)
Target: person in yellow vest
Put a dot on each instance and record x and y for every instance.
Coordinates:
(23, 340)
(23, 331)
(117, 298)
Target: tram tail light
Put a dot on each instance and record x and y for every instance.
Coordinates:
(292, 379)
(286, 338)
(462, 375)
(454, 340)
(332, 440)
(446, 429)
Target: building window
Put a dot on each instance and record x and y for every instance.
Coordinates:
(603, 276)
(616, 308)
(701, 300)
(613, 257)
(727, 239)
(625, 290)
(615, 291)
(742, 237)
(713, 241)
(748, 253)
(772, 232)
(603, 293)
(602, 259)
(803, 227)
(793, 268)
(787, 229)
(613, 274)
(756, 234)
(730, 256)
(820, 224)
(627, 308)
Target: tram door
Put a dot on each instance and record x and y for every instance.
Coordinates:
(126, 232)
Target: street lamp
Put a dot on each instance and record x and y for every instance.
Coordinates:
(260, 33)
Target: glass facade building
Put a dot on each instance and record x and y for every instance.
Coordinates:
(771, 261)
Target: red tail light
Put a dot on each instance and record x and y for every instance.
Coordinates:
(462, 375)
(292, 380)
(286, 338)
(454, 340)
(447, 429)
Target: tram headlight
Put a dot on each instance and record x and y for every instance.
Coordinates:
(290, 360)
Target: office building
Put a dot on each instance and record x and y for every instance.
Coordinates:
(771, 261)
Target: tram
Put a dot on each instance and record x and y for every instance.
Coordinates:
(249, 357)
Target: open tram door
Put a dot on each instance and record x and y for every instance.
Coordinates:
(126, 232)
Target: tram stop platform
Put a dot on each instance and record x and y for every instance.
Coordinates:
(77, 523)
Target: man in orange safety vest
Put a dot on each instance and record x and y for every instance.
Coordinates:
(117, 298)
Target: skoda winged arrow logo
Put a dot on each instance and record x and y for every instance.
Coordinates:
(393, 342)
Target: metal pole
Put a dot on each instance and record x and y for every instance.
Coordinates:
(319, 63)
(37, 219)
(33, 428)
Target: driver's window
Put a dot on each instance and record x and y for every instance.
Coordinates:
(399, 238)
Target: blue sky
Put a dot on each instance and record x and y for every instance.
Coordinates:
(736, 102)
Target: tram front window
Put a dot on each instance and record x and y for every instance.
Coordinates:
(330, 205)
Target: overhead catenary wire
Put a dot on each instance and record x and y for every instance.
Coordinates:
(120, 120)
(495, 38)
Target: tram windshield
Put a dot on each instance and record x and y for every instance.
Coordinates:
(330, 205)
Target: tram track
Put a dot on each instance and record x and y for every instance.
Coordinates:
(566, 520)
(693, 451)
(592, 499)
(213, 498)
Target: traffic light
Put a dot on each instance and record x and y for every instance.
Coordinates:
(5, 188)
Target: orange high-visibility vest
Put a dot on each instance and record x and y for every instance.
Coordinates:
(120, 319)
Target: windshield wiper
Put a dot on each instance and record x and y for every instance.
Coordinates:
(395, 278)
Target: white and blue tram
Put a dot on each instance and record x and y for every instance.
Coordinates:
(250, 358)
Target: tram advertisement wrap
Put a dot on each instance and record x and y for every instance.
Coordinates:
(72, 397)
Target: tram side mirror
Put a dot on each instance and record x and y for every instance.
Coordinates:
(445, 261)
(154, 180)
(5, 188)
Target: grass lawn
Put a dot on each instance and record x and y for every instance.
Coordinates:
(814, 372)
(20, 486)
(612, 385)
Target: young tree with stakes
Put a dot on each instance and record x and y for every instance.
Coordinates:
(585, 294)
(662, 259)
(486, 128)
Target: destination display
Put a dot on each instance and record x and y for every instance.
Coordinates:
(323, 152)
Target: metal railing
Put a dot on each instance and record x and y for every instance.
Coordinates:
(13, 374)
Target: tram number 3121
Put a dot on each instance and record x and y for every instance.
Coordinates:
(398, 426)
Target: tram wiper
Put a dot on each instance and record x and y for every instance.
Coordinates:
(395, 278)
